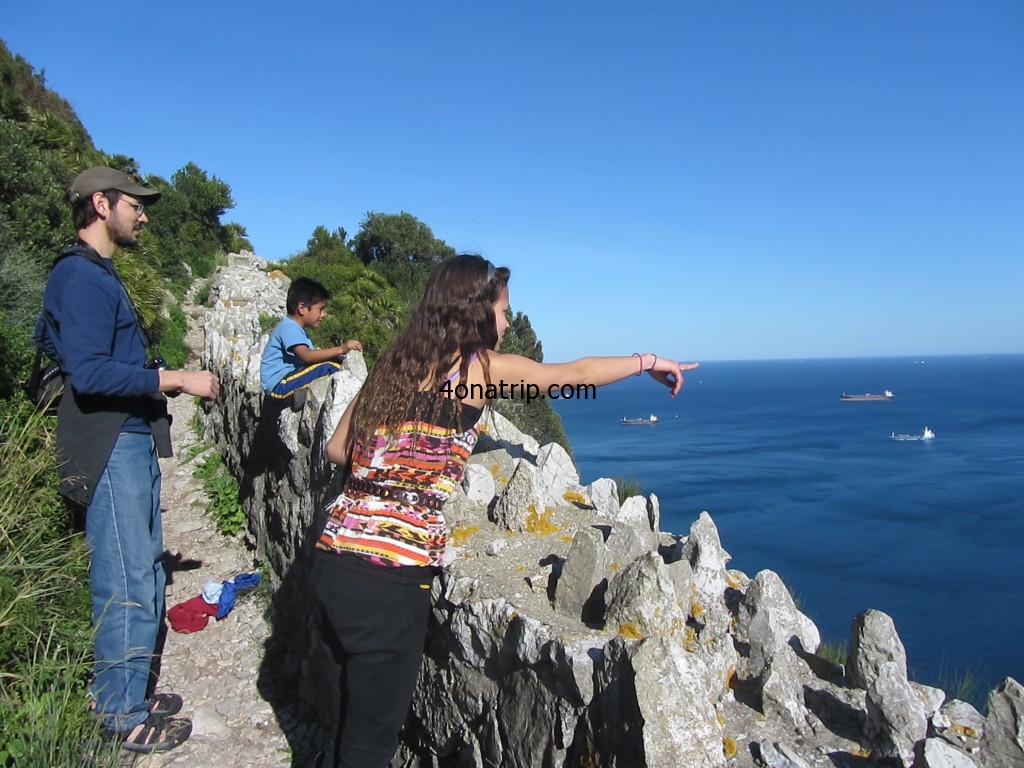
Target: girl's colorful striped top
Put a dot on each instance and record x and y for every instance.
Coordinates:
(425, 458)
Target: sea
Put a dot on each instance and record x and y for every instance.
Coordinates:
(813, 488)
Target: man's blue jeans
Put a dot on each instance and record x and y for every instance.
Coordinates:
(125, 538)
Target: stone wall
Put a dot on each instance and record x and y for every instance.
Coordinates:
(569, 630)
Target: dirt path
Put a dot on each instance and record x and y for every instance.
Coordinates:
(217, 669)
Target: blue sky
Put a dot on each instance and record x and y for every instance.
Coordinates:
(707, 180)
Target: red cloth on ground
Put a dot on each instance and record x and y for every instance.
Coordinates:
(191, 615)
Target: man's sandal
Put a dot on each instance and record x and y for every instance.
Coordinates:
(165, 704)
(162, 704)
(154, 734)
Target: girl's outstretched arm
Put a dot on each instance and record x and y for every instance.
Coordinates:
(587, 370)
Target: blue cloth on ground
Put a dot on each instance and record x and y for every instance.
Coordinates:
(231, 587)
(211, 591)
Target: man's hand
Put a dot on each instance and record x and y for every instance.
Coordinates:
(200, 383)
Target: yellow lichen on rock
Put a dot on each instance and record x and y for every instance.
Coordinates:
(690, 639)
(540, 524)
(574, 497)
(461, 534)
(631, 630)
(729, 747)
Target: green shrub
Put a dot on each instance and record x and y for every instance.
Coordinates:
(171, 344)
(222, 489)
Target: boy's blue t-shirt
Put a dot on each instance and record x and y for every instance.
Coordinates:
(278, 359)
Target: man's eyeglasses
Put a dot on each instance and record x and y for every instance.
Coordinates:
(139, 207)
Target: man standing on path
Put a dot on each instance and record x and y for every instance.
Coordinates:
(111, 426)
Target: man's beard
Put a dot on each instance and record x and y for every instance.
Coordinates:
(122, 236)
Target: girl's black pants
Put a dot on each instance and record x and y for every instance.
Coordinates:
(371, 624)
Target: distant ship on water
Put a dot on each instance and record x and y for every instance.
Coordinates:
(652, 419)
(867, 396)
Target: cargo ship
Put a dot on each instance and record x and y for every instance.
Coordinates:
(867, 396)
(927, 434)
(652, 419)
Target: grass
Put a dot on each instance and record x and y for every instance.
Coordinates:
(832, 650)
(965, 685)
(203, 293)
(45, 609)
(267, 322)
(628, 486)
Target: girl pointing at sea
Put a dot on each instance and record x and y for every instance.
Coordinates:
(406, 438)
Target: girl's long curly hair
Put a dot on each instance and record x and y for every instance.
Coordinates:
(454, 320)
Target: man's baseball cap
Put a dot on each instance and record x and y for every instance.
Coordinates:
(101, 179)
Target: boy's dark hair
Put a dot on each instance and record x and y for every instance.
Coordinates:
(305, 291)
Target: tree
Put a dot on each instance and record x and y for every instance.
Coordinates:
(537, 418)
(325, 247)
(363, 304)
(390, 237)
(187, 222)
(521, 339)
(237, 238)
(402, 249)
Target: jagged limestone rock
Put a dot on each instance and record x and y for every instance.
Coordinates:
(960, 724)
(641, 600)
(896, 718)
(603, 494)
(502, 433)
(931, 698)
(654, 513)
(938, 753)
(518, 500)
(556, 475)
(680, 725)
(633, 511)
(582, 572)
(768, 619)
(777, 755)
(625, 543)
(703, 550)
(478, 484)
(873, 642)
(1003, 742)
(681, 573)
(782, 687)
(637, 720)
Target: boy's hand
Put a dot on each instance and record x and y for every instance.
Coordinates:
(351, 344)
